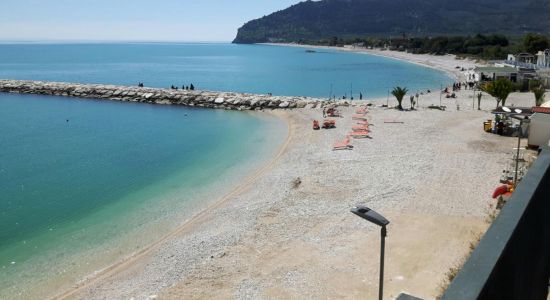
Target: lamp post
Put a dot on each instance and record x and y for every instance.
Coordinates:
(374, 217)
(518, 111)
(474, 99)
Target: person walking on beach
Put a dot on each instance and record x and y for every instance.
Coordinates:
(360, 96)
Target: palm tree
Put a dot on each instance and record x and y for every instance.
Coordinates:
(499, 89)
(399, 93)
(539, 95)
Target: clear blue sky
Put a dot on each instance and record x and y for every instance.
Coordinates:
(123, 20)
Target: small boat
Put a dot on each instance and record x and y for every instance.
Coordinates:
(310, 51)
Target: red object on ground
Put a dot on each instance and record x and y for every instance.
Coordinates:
(501, 190)
(316, 125)
(327, 123)
(542, 110)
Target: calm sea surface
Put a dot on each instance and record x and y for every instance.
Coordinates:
(222, 67)
(84, 183)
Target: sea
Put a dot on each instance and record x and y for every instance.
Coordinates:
(85, 183)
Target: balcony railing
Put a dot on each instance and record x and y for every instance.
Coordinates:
(512, 260)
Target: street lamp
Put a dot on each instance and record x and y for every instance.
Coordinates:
(374, 217)
(517, 117)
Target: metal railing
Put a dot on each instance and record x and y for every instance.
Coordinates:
(512, 260)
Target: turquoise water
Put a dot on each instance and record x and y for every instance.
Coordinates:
(85, 182)
(222, 67)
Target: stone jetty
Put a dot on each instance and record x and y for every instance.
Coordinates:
(196, 98)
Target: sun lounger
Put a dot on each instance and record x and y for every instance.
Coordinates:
(359, 134)
(393, 122)
(360, 128)
(343, 145)
(363, 122)
(359, 117)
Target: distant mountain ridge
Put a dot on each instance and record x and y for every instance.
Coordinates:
(315, 20)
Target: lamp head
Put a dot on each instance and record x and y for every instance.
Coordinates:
(370, 215)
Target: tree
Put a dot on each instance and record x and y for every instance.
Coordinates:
(399, 93)
(479, 95)
(499, 89)
(533, 43)
(539, 95)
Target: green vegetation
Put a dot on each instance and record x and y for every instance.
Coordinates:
(334, 21)
(494, 46)
(532, 43)
(499, 89)
(539, 95)
(399, 93)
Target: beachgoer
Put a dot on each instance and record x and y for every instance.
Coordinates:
(192, 87)
(324, 112)
(360, 96)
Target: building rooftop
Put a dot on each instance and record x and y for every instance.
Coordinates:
(496, 69)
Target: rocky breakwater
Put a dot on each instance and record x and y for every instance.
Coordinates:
(208, 99)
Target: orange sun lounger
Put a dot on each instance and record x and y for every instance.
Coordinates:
(359, 117)
(359, 134)
(360, 128)
(343, 145)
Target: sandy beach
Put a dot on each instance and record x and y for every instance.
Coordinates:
(287, 231)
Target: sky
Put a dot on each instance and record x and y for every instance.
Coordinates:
(130, 20)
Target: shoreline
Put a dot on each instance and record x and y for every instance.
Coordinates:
(292, 227)
(279, 239)
(194, 220)
(436, 62)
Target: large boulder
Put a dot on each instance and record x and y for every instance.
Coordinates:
(284, 104)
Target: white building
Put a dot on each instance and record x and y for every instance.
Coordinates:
(525, 58)
(539, 128)
(543, 59)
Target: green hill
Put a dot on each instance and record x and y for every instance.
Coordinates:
(315, 20)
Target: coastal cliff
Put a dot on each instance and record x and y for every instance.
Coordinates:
(196, 98)
(326, 19)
